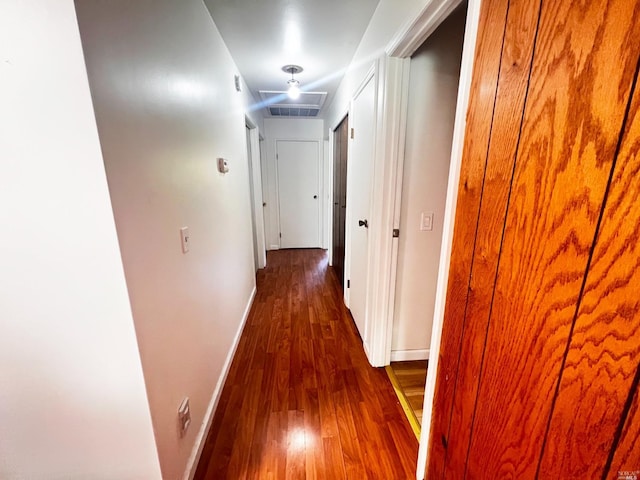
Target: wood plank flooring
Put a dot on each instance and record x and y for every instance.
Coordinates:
(301, 401)
(412, 377)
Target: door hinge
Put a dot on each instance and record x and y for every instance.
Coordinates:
(348, 283)
(396, 232)
(352, 133)
(280, 234)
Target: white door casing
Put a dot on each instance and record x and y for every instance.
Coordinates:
(407, 40)
(255, 179)
(298, 173)
(252, 195)
(359, 176)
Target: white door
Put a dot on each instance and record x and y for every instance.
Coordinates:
(298, 193)
(359, 175)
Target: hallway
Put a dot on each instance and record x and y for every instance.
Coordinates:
(301, 400)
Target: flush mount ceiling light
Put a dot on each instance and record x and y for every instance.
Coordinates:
(294, 85)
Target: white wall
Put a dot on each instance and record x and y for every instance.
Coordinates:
(387, 20)
(72, 397)
(286, 129)
(435, 71)
(162, 82)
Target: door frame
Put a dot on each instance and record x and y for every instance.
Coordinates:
(255, 172)
(402, 46)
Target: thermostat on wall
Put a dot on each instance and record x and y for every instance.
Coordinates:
(222, 165)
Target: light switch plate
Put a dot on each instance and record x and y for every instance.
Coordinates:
(184, 237)
(426, 221)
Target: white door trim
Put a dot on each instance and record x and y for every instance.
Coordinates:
(330, 158)
(417, 29)
(256, 180)
(460, 123)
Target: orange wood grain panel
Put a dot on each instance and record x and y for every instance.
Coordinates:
(579, 87)
(515, 67)
(604, 352)
(479, 120)
(626, 456)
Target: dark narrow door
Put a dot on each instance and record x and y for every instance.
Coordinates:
(539, 362)
(339, 196)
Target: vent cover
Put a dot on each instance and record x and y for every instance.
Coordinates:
(278, 104)
(294, 111)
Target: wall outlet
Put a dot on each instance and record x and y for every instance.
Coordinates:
(184, 417)
(426, 221)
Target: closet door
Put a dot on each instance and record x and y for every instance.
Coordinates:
(339, 196)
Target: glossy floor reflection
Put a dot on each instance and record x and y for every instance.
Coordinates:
(301, 401)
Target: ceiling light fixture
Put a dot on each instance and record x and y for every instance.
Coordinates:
(294, 85)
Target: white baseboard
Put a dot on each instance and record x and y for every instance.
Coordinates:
(406, 355)
(274, 247)
(192, 464)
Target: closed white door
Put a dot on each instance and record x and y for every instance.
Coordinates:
(299, 193)
(359, 177)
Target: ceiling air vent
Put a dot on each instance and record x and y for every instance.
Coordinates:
(278, 104)
(294, 111)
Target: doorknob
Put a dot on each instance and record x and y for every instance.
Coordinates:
(315, 196)
(363, 223)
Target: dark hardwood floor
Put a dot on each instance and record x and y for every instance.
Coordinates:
(301, 401)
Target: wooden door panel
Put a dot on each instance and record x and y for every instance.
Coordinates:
(601, 363)
(626, 456)
(529, 377)
(517, 55)
(575, 108)
(479, 120)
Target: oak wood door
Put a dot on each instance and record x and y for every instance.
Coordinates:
(540, 354)
(340, 142)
